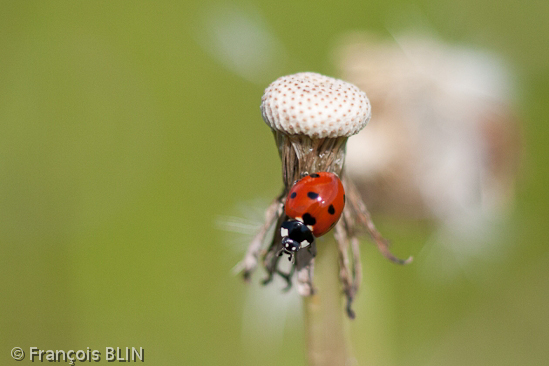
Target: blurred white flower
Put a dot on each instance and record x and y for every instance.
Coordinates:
(442, 143)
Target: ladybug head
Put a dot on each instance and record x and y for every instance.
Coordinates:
(295, 236)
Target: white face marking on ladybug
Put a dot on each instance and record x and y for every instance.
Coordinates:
(299, 219)
(310, 227)
(304, 244)
(284, 232)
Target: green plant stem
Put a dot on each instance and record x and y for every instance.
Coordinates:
(324, 311)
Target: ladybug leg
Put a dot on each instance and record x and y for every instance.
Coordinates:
(271, 265)
(302, 175)
(267, 280)
(271, 262)
(350, 312)
(312, 249)
(287, 277)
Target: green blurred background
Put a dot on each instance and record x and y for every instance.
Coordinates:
(124, 138)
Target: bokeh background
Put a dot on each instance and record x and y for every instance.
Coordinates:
(131, 138)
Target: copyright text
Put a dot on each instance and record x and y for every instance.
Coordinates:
(111, 354)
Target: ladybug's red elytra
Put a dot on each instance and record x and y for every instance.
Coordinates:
(314, 205)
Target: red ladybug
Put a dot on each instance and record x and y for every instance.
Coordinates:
(314, 205)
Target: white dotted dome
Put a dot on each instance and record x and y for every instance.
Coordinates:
(315, 105)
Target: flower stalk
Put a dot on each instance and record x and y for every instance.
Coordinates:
(323, 316)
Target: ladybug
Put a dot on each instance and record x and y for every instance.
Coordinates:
(313, 206)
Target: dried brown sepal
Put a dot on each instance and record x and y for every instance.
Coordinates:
(358, 218)
(248, 265)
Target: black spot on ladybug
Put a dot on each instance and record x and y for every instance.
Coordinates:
(331, 210)
(293, 195)
(312, 195)
(308, 219)
(314, 175)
